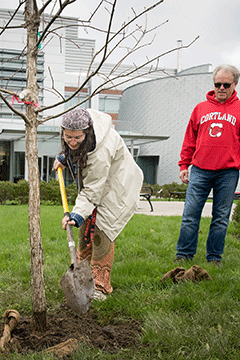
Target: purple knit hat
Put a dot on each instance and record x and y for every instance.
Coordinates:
(77, 119)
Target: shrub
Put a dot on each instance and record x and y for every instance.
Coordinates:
(71, 191)
(156, 188)
(11, 193)
(22, 192)
(7, 191)
(236, 216)
(50, 193)
(165, 189)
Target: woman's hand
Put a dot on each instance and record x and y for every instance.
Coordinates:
(58, 164)
(66, 220)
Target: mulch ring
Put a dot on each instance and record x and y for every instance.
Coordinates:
(65, 329)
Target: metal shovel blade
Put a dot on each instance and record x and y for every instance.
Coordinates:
(78, 287)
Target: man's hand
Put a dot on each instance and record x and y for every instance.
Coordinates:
(184, 176)
(66, 220)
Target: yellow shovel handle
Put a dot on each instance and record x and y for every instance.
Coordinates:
(69, 229)
(62, 190)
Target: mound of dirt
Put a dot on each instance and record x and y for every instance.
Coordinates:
(65, 329)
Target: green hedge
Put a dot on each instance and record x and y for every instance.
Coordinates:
(11, 193)
(7, 191)
(236, 216)
(165, 189)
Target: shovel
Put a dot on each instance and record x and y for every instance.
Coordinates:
(77, 284)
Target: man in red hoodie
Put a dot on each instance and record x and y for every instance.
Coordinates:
(212, 146)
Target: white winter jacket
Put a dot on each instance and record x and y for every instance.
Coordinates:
(111, 181)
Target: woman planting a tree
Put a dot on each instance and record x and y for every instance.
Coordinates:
(109, 182)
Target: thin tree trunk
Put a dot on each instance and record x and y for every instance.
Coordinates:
(37, 275)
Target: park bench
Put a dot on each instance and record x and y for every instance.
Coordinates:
(147, 192)
(176, 194)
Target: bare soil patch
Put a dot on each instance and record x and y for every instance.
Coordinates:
(63, 326)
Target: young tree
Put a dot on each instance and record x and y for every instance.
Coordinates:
(113, 40)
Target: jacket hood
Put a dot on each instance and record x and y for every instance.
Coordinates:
(102, 123)
(212, 98)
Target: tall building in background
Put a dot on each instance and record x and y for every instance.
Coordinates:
(67, 63)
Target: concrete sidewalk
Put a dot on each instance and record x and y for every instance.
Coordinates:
(169, 208)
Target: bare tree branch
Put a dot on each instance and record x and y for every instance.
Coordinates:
(52, 10)
(105, 48)
(40, 11)
(46, 43)
(52, 20)
(135, 48)
(12, 76)
(88, 26)
(19, 113)
(165, 53)
(98, 90)
(121, 30)
(137, 68)
(92, 15)
(53, 87)
(110, 78)
(95, 71)
(125, 25)
(130, 75)
(12, 17)
(9, 92)
(12, 27)
(117, 45)
(35, 7)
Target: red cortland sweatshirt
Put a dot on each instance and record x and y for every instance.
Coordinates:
(212, 137)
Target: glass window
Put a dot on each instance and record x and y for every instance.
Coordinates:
(48, 172)
(109, 105)
(4, 160)
(19, 166)
(40, 167)
(75, 100)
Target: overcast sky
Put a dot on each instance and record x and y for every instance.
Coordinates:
(215, 22)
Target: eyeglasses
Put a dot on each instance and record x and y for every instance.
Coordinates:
(78, 139)
(225, 85)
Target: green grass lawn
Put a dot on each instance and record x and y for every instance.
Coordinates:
(179, 321)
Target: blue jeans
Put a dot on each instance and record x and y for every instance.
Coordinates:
(223, 183)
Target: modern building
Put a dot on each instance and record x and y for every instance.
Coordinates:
(63, 63)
